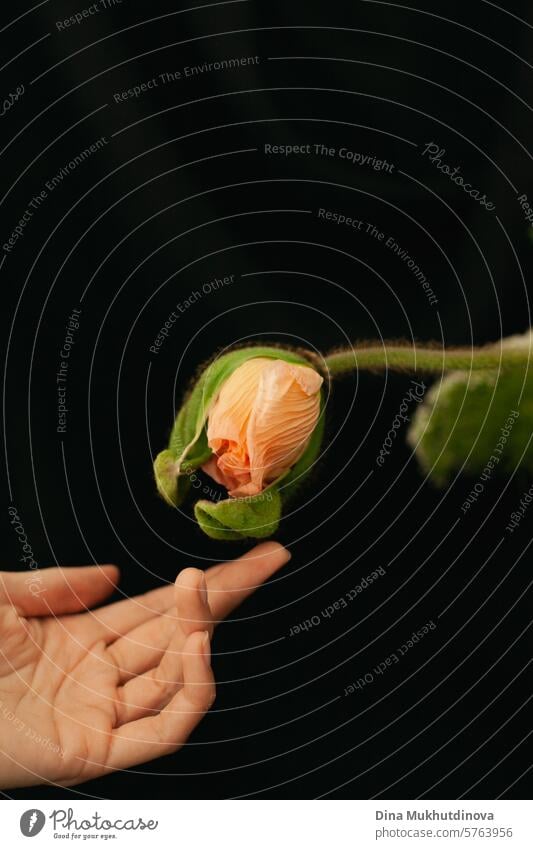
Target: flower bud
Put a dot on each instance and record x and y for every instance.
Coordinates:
(253, 423)
(260, 423)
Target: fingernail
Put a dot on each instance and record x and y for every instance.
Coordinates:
(206, 648)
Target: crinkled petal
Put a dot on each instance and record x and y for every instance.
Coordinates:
(261, 422)
(285, 413)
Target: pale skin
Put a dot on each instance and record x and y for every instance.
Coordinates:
(84, 692)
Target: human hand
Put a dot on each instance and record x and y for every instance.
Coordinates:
(84, 694)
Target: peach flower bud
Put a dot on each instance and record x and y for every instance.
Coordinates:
(260, 423)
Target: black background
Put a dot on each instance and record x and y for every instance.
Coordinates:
(183, 193)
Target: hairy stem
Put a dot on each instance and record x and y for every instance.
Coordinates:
(395, 357)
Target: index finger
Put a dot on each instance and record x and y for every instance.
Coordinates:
(229, 584)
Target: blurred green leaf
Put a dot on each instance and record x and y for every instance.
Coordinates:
(478, 423)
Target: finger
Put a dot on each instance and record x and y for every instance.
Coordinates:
(230, 583)
(150, 692)
(153, 690)
(192, 604)
(122, 616)
(41, 592)
(155, 736)
(13, 638)
(143, 647)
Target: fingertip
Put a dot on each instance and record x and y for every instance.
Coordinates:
(111, 570)
(198, 643)
(280, 550)
(192, 604)
(190, 578)
(273, 550)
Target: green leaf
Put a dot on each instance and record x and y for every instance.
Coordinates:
(240, 518)
(478, 423)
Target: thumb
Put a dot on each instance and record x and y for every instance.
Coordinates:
(57, 590)
(192, 606)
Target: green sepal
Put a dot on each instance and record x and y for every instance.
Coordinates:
(171, 487)
(240, 518)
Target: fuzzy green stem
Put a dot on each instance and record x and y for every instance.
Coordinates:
(403, 358)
